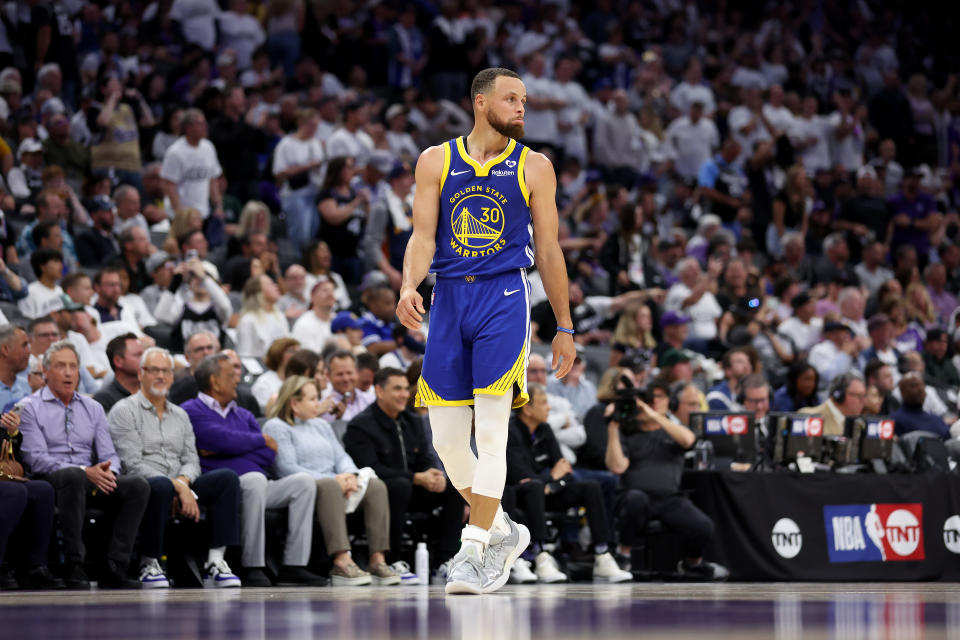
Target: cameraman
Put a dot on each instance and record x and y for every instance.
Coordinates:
(543, 480)
(647, 451)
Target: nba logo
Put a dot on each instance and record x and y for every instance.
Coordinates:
(814, 427)
(736, 425)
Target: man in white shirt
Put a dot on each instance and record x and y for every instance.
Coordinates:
(694, 296)
(847, 132)
(872, 272)
(836, 354)
(747, 123)
(196, 18)
(313, 327)
(776, 113)
(350, 139)
(190, 168)
(572, 121)
(294, 302)
(241, 32)
(693, 89)
(44, 294)
(810, 137)
(543, 105)
(619, 143)
(350, 400)
(691, 140)
(802, 329)
(126, 200)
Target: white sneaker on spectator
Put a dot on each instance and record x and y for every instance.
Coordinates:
(606, 569)
(548, 571)
(152, 576)
(406, 576)
(218, 575)
(520, 573)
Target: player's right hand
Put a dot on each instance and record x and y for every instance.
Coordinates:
(410, 309)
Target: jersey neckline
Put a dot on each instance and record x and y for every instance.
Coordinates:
(484, 169)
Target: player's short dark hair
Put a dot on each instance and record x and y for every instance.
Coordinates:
(483, 81)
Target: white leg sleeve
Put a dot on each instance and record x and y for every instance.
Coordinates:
(451, 439)
(492, 423)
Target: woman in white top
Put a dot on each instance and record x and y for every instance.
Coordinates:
(270, 381)
(260, 321)
(296, 163)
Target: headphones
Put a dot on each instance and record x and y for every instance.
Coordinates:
(673, 403)
(838, 387)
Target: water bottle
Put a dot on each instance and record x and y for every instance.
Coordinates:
(704, 455)
(422, 562)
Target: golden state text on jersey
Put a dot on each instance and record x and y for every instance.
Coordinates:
(484, 226)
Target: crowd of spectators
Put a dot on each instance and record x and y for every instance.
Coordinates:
(758, 208)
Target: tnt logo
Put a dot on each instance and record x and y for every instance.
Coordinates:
(875, 532)
(812, 427)
(951, 534)
(786, 538)
(726, 425)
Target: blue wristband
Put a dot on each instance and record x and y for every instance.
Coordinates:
(562, 330)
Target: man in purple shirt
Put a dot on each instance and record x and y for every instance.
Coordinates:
(915, 216)
(944, 301)
(66, 441)
(350, 400)
(229, 437)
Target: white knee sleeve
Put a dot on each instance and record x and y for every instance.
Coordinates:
(492, 423)
(451, 440)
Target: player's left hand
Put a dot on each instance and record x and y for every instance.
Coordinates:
(563, 354)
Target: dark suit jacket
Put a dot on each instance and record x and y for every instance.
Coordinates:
(94, 249)
(392, 448)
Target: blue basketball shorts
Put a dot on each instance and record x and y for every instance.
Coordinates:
(478, 340)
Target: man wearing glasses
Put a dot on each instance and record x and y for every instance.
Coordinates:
(66, 441)
(154, 438)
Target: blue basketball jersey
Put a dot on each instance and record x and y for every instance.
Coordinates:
(485, 226)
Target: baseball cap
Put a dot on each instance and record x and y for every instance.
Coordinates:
(381, 160)
(10, 85)
(836, 326)
(65, 303)
(344, 320)
(100, 203)
(394, 111)
(673, 356)
(29, 145)
(671, 318)
(877, 320)
(156, 260)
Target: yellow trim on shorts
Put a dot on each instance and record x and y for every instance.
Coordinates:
(520, 178)
(484, 170)
(515, 376)
(446, 164)
(427, 397)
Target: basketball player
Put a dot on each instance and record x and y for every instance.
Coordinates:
(478, 199)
